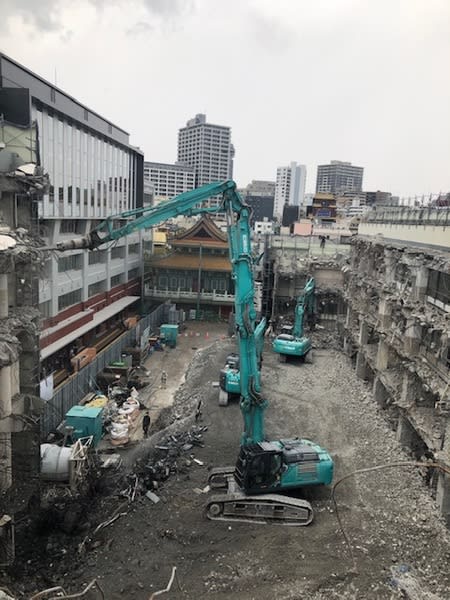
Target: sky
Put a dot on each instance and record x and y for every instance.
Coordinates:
(365, 81)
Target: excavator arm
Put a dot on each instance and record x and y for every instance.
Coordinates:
(305, 305)
(238, 226)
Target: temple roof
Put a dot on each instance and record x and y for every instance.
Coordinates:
(204, 233)
(190, 262)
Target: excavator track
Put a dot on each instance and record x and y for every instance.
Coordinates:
(262, 509)
(235, 505)
(219, 478)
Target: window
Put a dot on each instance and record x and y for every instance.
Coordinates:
(116, 280)
(69, 299)
(96, 257)
(118, 252)
(133, 249)
(133, 274)
(70, 263)
(96, 288)
(71, 226)
(162, 282)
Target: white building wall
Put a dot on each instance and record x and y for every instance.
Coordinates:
(91, 178)
(169, 180)
(289, 187)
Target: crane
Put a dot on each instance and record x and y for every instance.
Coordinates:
(292, 341)
(248, 491)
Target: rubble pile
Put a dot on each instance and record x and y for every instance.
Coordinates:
(173, 455)
(327, 339)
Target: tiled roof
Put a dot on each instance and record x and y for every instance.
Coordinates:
(204, 229)
(191, 262)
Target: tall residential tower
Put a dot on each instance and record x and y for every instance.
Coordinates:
(207, 148)
(289, 188)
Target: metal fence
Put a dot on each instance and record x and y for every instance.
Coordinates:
(71, 392)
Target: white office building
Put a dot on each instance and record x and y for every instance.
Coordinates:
(94, 173)
(168, 180)
(289, 187)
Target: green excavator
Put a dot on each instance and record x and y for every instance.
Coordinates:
(252, 490)
(292, 341)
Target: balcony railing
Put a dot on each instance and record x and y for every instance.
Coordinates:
(214, 296)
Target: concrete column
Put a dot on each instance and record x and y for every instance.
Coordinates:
(384, 313)
(361, 365)
(363, 333)
(413, 335)
(404, 432)
(380, 394)
(5, 438)
(382, 362)
(408, 391)
(390, 263)
(6, 392)
(3, 296)
(443, 496)
(348, 317)
(421, 283)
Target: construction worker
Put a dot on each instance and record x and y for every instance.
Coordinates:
(146, 424)
(163, 379)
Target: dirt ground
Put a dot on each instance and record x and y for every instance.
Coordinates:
(398, 541)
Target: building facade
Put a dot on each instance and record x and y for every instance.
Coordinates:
(94, 173)
(289, 187)
(323, 208)
(339, 177)
(196, 272)
(207, 148)
(168, 180)
(259, 187)
(397, 330)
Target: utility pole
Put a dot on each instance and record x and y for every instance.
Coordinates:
(199, 280)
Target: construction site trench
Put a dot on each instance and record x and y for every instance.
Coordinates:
(397, 546)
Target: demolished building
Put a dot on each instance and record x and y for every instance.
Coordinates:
(397, 326)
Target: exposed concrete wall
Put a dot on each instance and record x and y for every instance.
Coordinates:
(427, 235)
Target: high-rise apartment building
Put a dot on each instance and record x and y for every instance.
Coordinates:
(207, 148)
(94, 173)
(339, 177)
(289, 187)
(168, 180)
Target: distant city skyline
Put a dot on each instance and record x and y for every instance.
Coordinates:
(385, 63)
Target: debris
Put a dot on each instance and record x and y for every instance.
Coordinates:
(169, 585)
(199, 462)
(153, 497)
(199, 491)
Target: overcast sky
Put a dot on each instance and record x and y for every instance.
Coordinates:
(366, 81)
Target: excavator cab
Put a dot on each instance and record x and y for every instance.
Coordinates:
(259, 467)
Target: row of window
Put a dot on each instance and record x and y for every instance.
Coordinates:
(188, 283)
(74, 262)
(74, 297)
